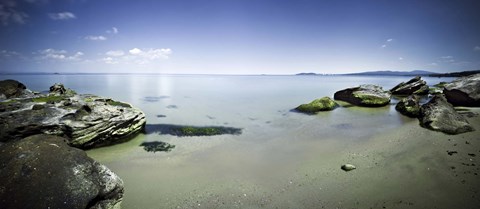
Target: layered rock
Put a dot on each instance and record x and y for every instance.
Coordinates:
(409, 106)
(11, 88)
(364, 95)
(86, 120)
(464, 91)
(410, 87)
(322, 104)
(42, 171)
(439, 115)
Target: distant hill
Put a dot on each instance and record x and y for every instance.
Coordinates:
(456, 74)
(306, 74)
(396, 73)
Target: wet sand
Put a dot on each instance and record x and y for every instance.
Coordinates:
(405, 166)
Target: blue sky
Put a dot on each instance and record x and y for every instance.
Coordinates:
(238, 36)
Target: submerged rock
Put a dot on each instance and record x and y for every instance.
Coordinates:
(409, 87)
(348, 167)
(322, 104)
(439, 115)
(364, 95)
(464, 91)
(86, 120)
(42, 171)
(157, 146)
(409, 106)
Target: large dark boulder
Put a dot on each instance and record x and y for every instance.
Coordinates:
(322, 104)
(410, 87)
(464, 91)
(11, 88)
(364, 95)
(42, 171)
(86, 120)
(409, 106)
(439, 115)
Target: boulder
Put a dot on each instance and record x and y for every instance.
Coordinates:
(322, 104)
(86, 120)
(364, 95)
(424, 90)
(11, 88)
(59, 89)
(42, 171)
(409, 106)
(464, 91)
(409, 87)
(439, 115)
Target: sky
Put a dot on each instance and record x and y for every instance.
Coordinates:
(238, 36)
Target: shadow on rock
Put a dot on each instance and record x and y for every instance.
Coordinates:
(180, 130)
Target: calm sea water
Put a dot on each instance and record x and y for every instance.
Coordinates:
(269, 165)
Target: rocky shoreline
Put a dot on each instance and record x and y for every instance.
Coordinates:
(40, 133)
(437, 114)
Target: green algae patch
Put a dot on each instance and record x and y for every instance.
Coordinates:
(181, 131)
(51, 98)
(117, 103)
(322, 104)
(157, 146)
(372, 100)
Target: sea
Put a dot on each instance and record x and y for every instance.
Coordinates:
(281, 159)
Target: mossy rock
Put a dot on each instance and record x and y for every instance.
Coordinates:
(49, 99)
(422, 91)
(409, 106)
(322, 104)
(364, 95)
(117, 103)
(157, 146)
(204, 131)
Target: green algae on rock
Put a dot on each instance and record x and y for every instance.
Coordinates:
(409, 106)
(364, 95)
(322, 104)
(157, 146)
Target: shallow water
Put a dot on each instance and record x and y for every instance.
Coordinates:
(282, 159)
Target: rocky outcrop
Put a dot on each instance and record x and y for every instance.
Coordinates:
(86, 120)
(439, 115)
(42, 171)
(11, 88)
(364, 95)
(464, 91)
(409, 106)
(322, 104)
(410, 87)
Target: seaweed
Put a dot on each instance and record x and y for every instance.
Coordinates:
(157, 146)
(181, 131)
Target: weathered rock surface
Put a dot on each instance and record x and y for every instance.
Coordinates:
(86, 120)
(410, 87)
(322, 104)
(464, 91)
(42, 171)
(11, 88)
(409, 106)
(364, 95)
(439, 115)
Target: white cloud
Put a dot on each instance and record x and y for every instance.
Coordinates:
(446, 57)
(52, 54)
(62, 16)
(135, 51)
(96, 38)
(115, 53)
(476, 48)
(114, 30)
(9, 13)
(6, 53)
(433, 64)
(383, 46)
(109, 60)
(400, 58)
(390, 40)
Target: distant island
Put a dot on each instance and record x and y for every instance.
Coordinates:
(401, 73)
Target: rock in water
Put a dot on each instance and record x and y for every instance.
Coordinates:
(364, 95)
(439, 115)
(11, 88)
(409, 106)
(42, 171)
(322, 104)
(464, 91)
(348, 167)
(86, 120)
(410, 87)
